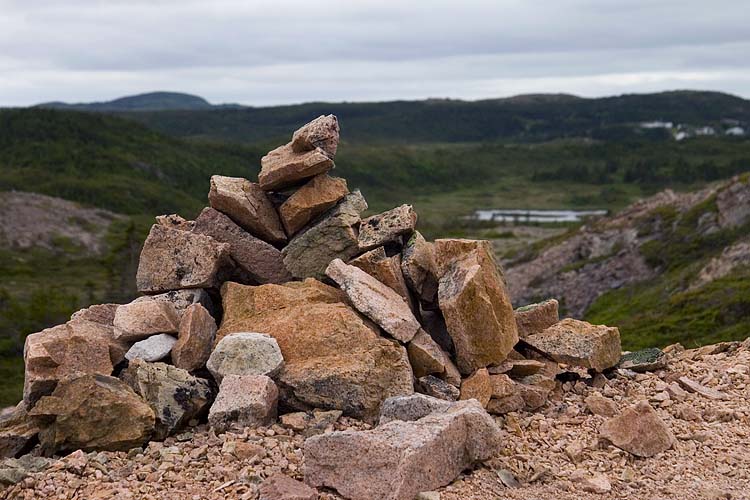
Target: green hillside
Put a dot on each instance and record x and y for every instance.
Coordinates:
(152, 101)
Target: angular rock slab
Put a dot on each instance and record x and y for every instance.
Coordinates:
(93, 412)
(195, 339)
(17, 432)
(77, 347)
(638, 430)
(145, 317)
(318, 195)
(425, 355)
(437, 388)
(281, 487)
(172, 259)
(245, 353)
(104, 314)
(390, 461)
(244, 401)
(387, 227)
(182, 299)
(173, 394)
(412, 407)
(387, 270)
(419, 268)
(154, 348)
(475, 303)
(579, 343)
(478, 386)
(535, 318)
(333, 358)
(375, 300)
(322, 132)
(333, 236)
(248, 206)
(260, 261)
(284, 167)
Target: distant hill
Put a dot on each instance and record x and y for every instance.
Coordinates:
(153, 101)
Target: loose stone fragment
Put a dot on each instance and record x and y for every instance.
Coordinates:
(259, 262)
(475, 304)
(694, 386)
(425, 355)
(388, 462)
(535, 318)
(17, 431)
(182, 299)
(173, 394)
(502, 386)
(104, 314)
(638, 430)
(411, 407)
(245, 353)
(437, 388)
(248, 206)
(387, 227)
(172, 259)
(322, 132)
(420, 269)
(599, 405)
(318, 195)
(478, 386)
(332, 236)
(92, 412)
(145, 317)
(311, 423)
(645, 360)
(15, 470)
(195, 339)
(506, 404)
(174, 221)
(387, 270)
(284, 167)
(375, 300)
(579, 343)
(281, 487)
(154, 348)
(244, 401)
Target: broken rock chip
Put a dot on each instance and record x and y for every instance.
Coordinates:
(387, 227)
(334, 358)
(281, 487)
(154, 348)
(638, 430)
(244, 401)
(475, 303)
(172, 259)
(284, 167)
(579, 343)
(437, 388)
(420, 269)
(387, 270)
(104, 314)
(388, 462)
(318, 195)
(245, 353)
(261, 262)
(322, 132)
(195, 339)
(425, 355)
(375, 300)
(333, 236)
(93, 412)
(411, 407)
(477, 386)
(535, 318)
(145, 317)
(599, 405)
(173, 394)
(248, 206)
(311, 423)
(182, 299)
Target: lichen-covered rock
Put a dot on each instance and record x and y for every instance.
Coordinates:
(104, 314)
(195, 339)
(92, 412)
(248, 206)
(145, 317)
(411, 407)
(182, 299)
(318, 195)
(261, 262)
(245, 353)
(535, 318)
(322, 132)
(645, 360)
(173, 394)
(638, 430)
(154, 348)
(244, 401)
(333, 236)
(475, 304)
(387, 270)
(375, 300)
(387, 227)
(388, 462)
(172, 259)
(333, 358)
(420, 269)
(284, 167)
(579, 343)
(437, 388)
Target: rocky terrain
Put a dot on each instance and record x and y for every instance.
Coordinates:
(285, 347)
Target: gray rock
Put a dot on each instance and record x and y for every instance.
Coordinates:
(244, 401)
(152, 349)
(17, 432)
(645, 360)
(15, 470)
(412, 407)
(173, 394)
(245, 353)
(387, 227)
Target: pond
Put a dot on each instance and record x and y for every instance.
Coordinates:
(523, 216)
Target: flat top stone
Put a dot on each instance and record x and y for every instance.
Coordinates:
(153, 348)
(318, 195)
(245, 353)
(387, 227)
(322, 132)
(284, 167)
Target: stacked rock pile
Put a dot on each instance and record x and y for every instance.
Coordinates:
(281, 298)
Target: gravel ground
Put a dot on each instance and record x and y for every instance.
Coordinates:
(554, 453)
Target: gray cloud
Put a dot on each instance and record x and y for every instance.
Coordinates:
(267, 52)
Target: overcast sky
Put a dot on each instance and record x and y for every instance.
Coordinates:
(273, 52)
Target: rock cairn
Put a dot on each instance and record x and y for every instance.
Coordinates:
(281, 299)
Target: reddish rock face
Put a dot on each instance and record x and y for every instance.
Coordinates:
(638, 430)
(536, 318)
(248, 206)
(425, 355)
(244, 401)
(387, 270)
(322, 132)
(478, 386)
(144, 317)
(318, 195)
(474, 303)
(420, 269)
(387, 227)
(284, 167)
(195, 338)
(281, 487)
